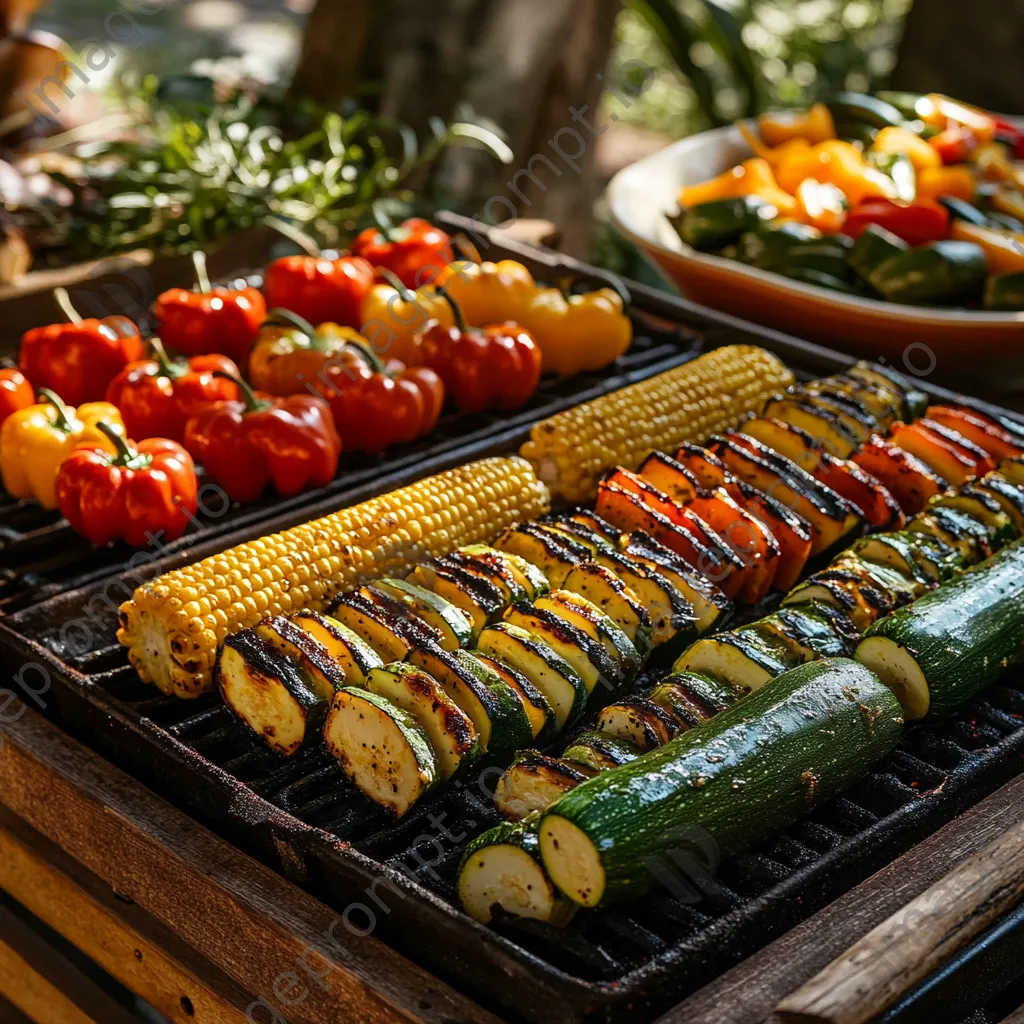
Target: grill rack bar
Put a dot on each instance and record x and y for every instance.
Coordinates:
(623, 964)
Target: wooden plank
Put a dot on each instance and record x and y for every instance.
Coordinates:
(45, 985)
(272, 938)
(128, 943)
(749, 993)
(10, 1014)
(883, 966)
(1017, 1017)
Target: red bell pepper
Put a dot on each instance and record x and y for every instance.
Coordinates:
(320, 290)
(15, 392)
(916, 223)
(78, 359)
(157, 396)
(210, 320)
(415, 252)
(492, 367)
(954, 145)
(377, 404)
(243, 445)
(146, 491)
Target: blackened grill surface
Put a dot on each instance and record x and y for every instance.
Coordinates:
(397, 878)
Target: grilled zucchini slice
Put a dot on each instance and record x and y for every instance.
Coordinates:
(581, 534)
(494, 708)
(554, 677)
(745, 658)
(606, 591)
(543, 722)
(449, 729)
(599, 751)
(348, 649)
(641, 722)
(477, 596)
(591, 520)
(851, 592)
(1012, 469)
(530, 579)
(585, 615)
(814, 630)
(971, 539)
(1009, 497)
(820, 422)
(384, 624)
(586, 655)
(914, 400)
(554, 553)
(912, 554)
(381, 748)
(982, 506)
(502, 868)
(323, 674)
(451, 623)
(533, 782)
(497, 570)
(682, 690)
(267, 691)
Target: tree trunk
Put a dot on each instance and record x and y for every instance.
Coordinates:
(972, 51)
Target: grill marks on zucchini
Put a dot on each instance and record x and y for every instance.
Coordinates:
(347, 648)
(534, 781)
(746, 658)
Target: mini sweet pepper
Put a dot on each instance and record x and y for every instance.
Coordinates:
(208, 320)
(15, 392)
(416, 252)
(34, 442)
(157, 396)
(137, 493)
(489, 293)
(320, 290)
(393, 317)
(78, 359)
(243, 445)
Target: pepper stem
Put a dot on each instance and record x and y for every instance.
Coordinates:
(385, 226)
(64, 302)
(460, 320)
(125, 454)
(168, 367)
(202, 277)
(396, 282)
(63, 416)
(376, 363)
(611, 281)
(252, 403)
(293, 234)
(276, 315)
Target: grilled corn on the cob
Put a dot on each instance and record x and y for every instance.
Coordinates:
(173, 624)
(712, 393)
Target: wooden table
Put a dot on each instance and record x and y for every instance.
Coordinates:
(205, 934)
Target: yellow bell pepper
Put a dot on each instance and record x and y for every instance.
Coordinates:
(775, 155)
(577, 332)
(34, 442)
(893, 140)
(940, 112)
(821, 205)
(393, 316)
(836, 163)
(1004, 250)
(753, 177)
(815, 125)
(956, 180)
(489, 293)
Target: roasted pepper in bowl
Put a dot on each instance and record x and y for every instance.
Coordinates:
(209, 320)
(416, 252)
(34, 442)
(578, 332)
(376, 404)
(492, 367)
(138, 493)
(15, 392)
(291, 354)
(243, 445)
(157, 396)
(393, 317)
(78, 359)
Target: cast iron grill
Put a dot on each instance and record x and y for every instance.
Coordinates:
(40, 555)
(303, 818)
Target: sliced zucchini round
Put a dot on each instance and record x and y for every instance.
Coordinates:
(534, 781)
(600, 751)
(355, 656)
(897, 667)
(542, 718)
(452, 623)
(641, 722)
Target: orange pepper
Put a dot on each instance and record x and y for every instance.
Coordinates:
(901, 140)
(942, 112)
(821, 205)
(814, 125)
(753, 177)
(775, 155)
(836, 163)
(1004, 250)
(956, 180)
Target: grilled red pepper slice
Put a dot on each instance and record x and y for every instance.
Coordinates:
(492, 367)
(988, 435)
(15, 392)
(866, 493)
(910, 480)
(948, 453)
(78, 359)
(243, 445)
(415, 252)
(209, 320)
(146, 491)
(377, 404)
(916, 223)
(157, 396)
(320, 290)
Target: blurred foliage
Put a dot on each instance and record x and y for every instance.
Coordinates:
(800, 50)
